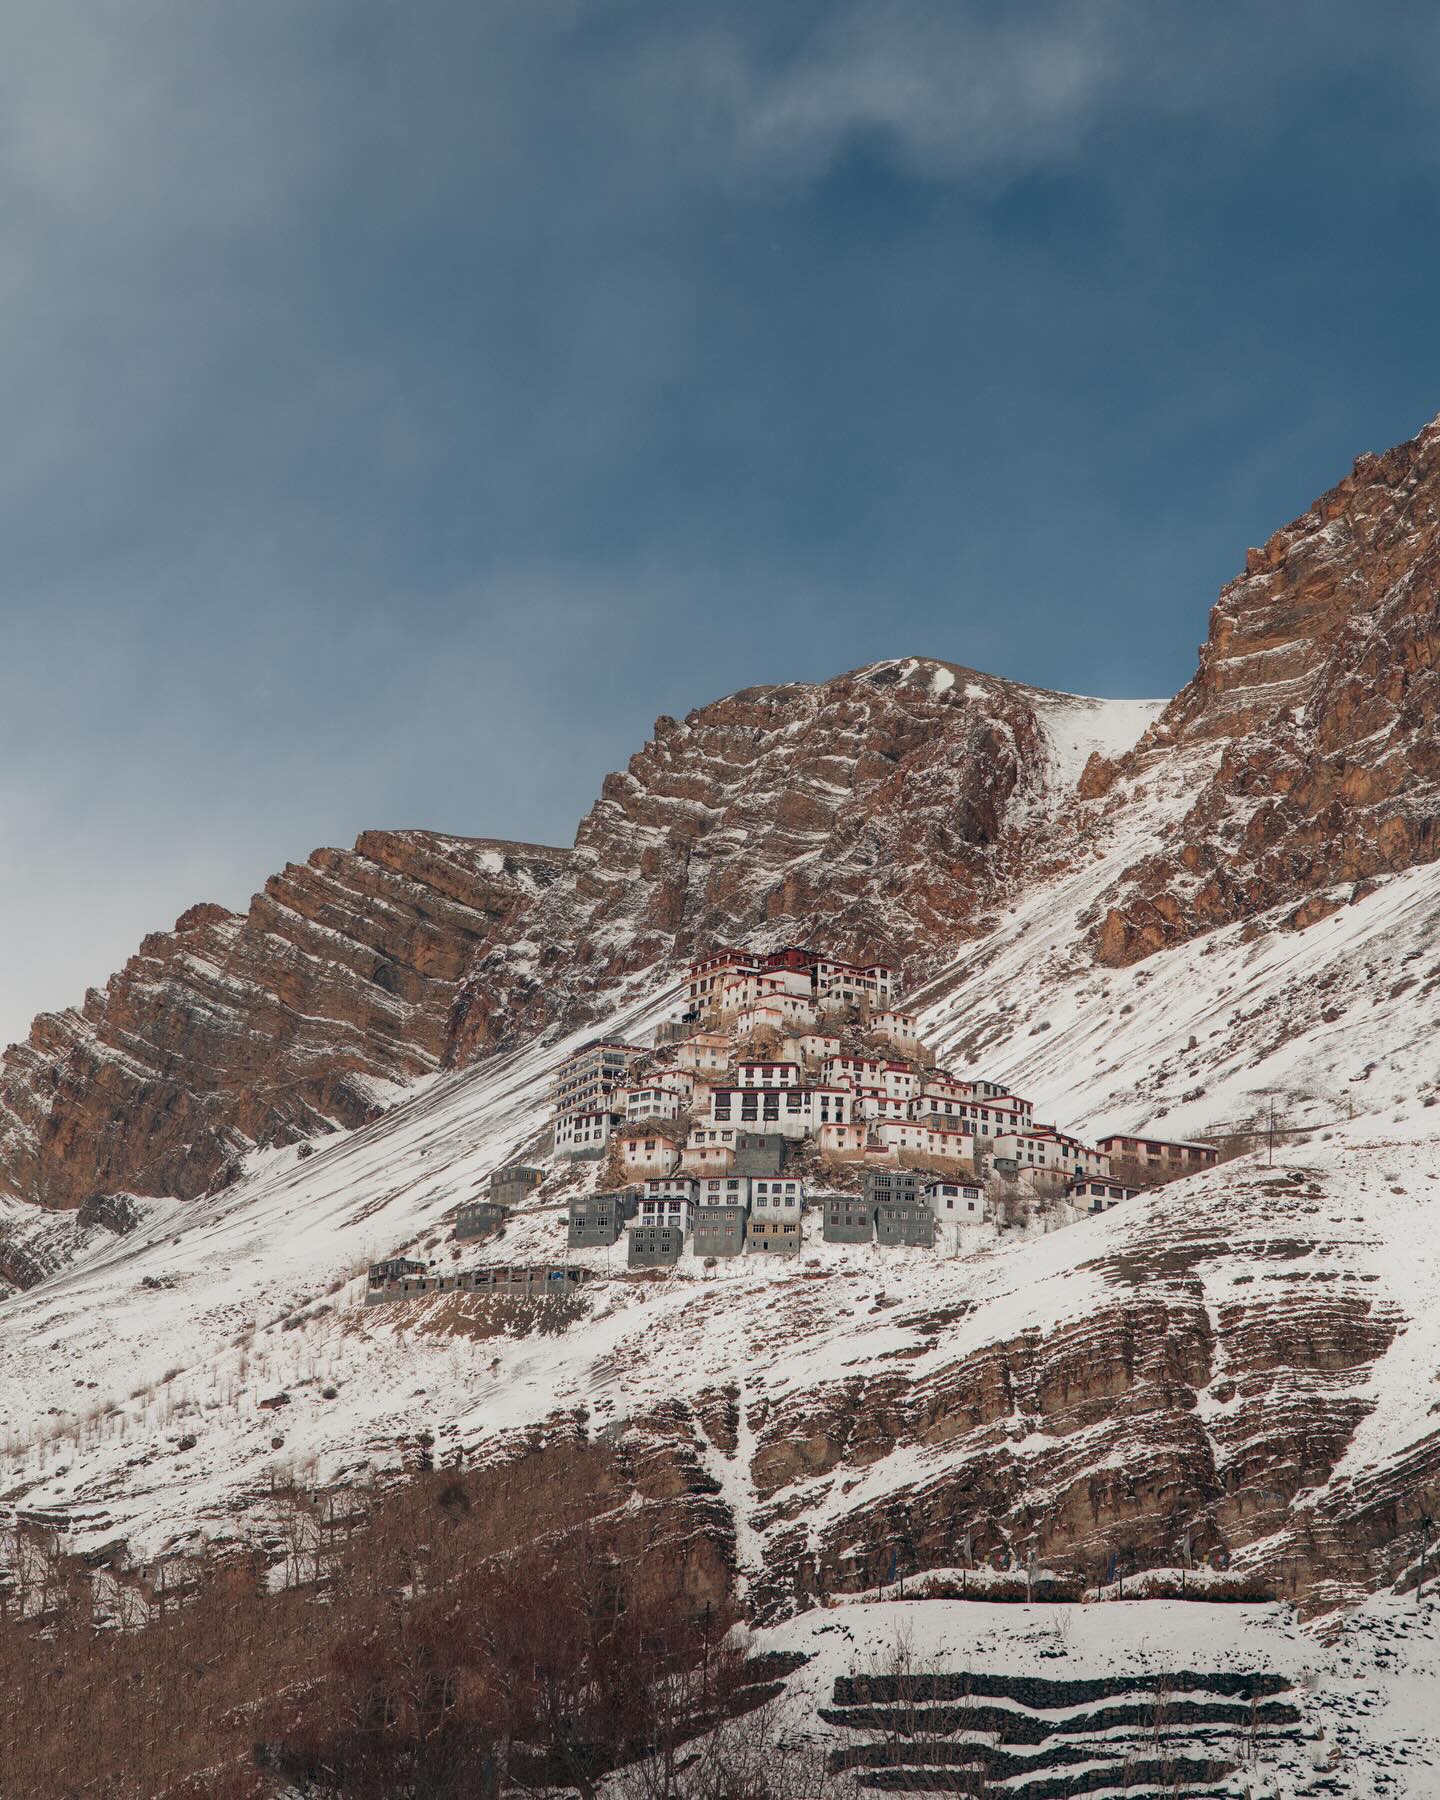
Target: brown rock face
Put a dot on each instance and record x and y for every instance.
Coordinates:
(867, 809)
(233, 1031)
(1321, 677)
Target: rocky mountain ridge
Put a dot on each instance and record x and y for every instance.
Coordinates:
(897, 811)
(1320, 680)
(312, 1011)
(873, 808)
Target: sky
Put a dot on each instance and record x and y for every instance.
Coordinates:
(404, 404)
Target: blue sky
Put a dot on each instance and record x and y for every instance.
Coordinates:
(404, 404)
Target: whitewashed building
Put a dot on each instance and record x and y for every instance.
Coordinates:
(908, 1137)
(1170, 1156)
(707, 1053)
(900, 1081)
(853, 1071)
(651, 1102)
(709, 1150)
(768, 1074)
(724, 1190)
(897, 1028)
(875, 1103)
(774, 1197)
(665, 1209)
(1093, 1195)
(844, 1142)
(645, 1151)
(1054, 1152)
(955, 1202)
(584, 1133)
(680, 1187)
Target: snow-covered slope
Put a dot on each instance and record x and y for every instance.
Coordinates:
(180, 1329)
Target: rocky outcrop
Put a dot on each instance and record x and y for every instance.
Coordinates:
(230, 1031)
(1320, 681)
(1206, 1398)
(870, 809)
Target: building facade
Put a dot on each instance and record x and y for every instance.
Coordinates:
(848, 1219)
(908, 1222)
(719, 1231)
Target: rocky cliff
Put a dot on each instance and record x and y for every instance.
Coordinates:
(1320, 685)
(308, 1013)
(871, 808)
(894, 810)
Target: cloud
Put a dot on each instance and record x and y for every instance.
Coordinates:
(405, 404)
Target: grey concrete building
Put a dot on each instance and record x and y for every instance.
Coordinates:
(719, 1231)
(598, 1219)
(478, 1218)
(779, 1236)
(848, 1219)
(654, 1246)
(893, 1184)
(395, 1268)
(512, 1279)
(509, 1186)
(760, 1154)
(905, 1222)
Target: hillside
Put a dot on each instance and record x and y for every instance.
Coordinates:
(1216, 917)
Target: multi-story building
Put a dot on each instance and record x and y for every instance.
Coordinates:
(776, 1197)
(653, 1246)
(846, 1143)
(706, 1053)
(768, 1075)
(1093, 1195)
(587, 1078)
(709, 1150)
(510, 1185)
(645, 1151)
(651, 1102)
(1054, 1152)
(681, 1187)
(708, 975)
(596, 1220)
(723, 1190)
(882, 1185)
(395, 1268)
(757, 1153)
(479, 1218)
(905, 1221)
(1167, 1156)
(782, 1236)
(909, 1137)
(897, 1028)
(719, 1231)
(853, 1071)
(848, 1219)
(793, 1112)
(955, 1202)
(664, 1209)
(582, 1135)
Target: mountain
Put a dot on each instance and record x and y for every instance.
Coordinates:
(1320, 687)
(312, 1011)
(1218, 916)
(878, 809)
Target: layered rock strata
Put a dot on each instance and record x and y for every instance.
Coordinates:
(303, 1015)
(1320, 680)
